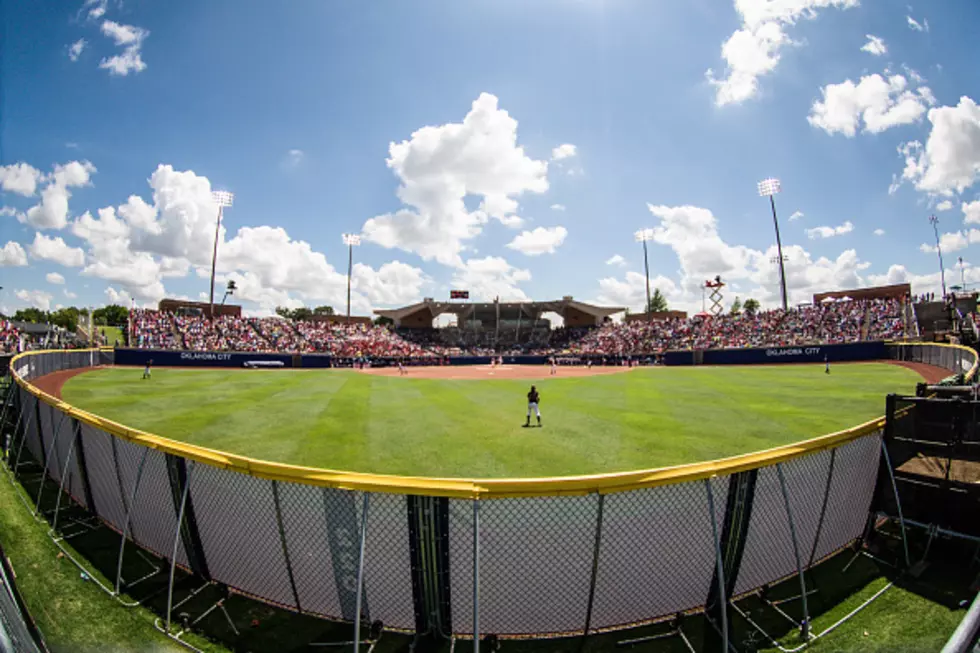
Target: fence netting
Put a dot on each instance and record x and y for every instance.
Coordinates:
(546, 564)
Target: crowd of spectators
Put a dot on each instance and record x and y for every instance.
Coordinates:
(9, 337)
(830, 323)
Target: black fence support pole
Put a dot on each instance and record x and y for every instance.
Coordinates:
(83, 468)
(285, 548)
(183, 502)
(595, 568)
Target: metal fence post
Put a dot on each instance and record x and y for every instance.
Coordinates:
(61, 488)
(721, 566)
(360, 575)
(54, 441)
(476, 576)
(898, 502)
(595, 568)
(173, 556)
(126, 519)
(805, 627)
(823, 508)
(23, 439)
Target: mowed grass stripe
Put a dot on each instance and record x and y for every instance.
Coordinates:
(429, 427)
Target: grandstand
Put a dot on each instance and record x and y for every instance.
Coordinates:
(483, 329)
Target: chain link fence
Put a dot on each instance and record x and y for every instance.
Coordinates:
(531, 559)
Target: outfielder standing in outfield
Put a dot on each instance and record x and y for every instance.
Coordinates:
(146, 370)
(532, 404)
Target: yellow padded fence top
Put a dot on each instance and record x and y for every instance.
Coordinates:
(479, 488)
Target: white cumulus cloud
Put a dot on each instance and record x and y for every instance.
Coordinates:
(796, 216)
(875, 46)
(879, 232)
(19, 178)
(543, 240)
(945, 205)
(393, 284)
(630, 292)
(55, 250)
(971, 212)
(616, 260)
(692, 233)
(491, 277)
(131, 38)
(754, 49)
(557, 207)
(54, 278)
(950, 161)
(877, 102)
(563, 151)
(440, 166)
(12, 255)
(52, 211)
(35, 298)
(829, 232)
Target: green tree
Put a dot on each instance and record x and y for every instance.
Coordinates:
(751, 306)
(736, 306)
(32, 314)
(381, 320)
(323, 310)
(111, 315)
(658, 303)
(284, 312)
(66, 318)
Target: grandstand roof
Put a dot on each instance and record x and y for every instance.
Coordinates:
(896, 291)
(422, 313)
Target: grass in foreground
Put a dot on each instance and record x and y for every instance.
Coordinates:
(346, 420)
(74, 615)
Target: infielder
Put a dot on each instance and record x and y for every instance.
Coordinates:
(532, 404)
(554, 367)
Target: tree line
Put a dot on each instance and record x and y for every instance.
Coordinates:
(69, 317)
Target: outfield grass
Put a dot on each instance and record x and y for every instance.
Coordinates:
(113, 335)
(348, 420)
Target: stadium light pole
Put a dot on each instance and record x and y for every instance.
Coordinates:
(222, 198)
(642, 236)
(350, 240)
(768, 188)
(934, 221)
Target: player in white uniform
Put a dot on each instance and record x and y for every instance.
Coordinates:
(401, 369)
(533, 399)
(554, 366)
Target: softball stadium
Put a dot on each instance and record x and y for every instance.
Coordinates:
(765, 481)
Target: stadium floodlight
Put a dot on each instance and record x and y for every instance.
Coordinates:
(642, 236)
(350, 240)
(768, 188)
(222, 199)
(934, 221)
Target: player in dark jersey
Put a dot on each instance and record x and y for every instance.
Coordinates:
(532, 404)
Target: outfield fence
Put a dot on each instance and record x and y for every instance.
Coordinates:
(522, 557)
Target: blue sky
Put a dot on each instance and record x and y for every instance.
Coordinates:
(504, 147)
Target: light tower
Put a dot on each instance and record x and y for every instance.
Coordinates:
(934, 221)
(642, 236)
(768, 188)
(350, 240)
(222, 198)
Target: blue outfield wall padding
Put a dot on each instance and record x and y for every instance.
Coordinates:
(196, 358)
(857, 351)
